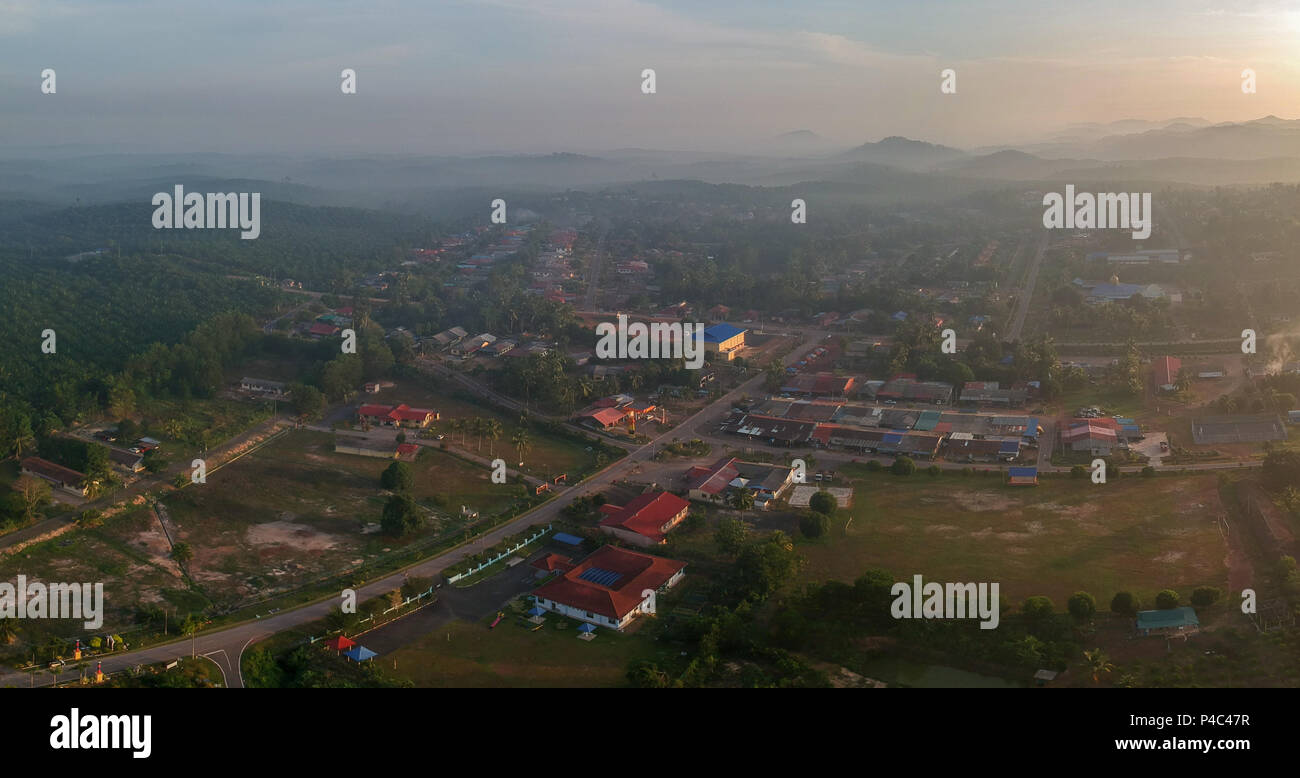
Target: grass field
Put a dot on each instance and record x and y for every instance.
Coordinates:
(1140, 535)
(294, 511)
(514, 656)
(123, 554)
(547, 456)
(1113, 402)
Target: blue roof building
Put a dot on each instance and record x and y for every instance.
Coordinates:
(721, 333)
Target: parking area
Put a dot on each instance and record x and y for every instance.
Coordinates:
(1155, 446)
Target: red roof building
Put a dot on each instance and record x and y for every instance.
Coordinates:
(606, 588)
(552, 562)
(603, 418)
(1165, 371)
(320, 329)
(1096, 436)
(645, 520)
(397, 415)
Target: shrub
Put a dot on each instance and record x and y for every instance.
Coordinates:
(1125, 604)
(1167, 599)
(933, 470)
(1082, 606)
(822, 502)
(1205, 596)
(814, 525)
(1037, 608)
(903, 466)
(397, 477)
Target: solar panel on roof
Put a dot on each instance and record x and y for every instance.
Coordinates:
(599, 576)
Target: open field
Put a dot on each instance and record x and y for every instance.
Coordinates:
(1141, 535)
(295, 511)
(514, 656)
(547, 457)
(126, 554)
(1112, 402)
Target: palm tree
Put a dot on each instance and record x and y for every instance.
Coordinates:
(480, 427)
(521, 443)
(1097, 662)
(742, 499)
(495, 429)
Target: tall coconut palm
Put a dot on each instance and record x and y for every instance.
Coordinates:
(480, 428)
(495, 429)
(521, 442)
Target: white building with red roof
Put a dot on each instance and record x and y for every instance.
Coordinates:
(645, 520)
(611, 587)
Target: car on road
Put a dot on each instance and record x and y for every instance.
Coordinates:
(1164, 445)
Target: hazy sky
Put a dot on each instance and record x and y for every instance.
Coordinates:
(448, 76)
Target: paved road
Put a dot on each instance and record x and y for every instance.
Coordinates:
(1027, 290)
(225, 646)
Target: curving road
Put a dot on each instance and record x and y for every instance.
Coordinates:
(225, 646)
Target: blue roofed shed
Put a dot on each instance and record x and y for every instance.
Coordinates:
(1168, 621)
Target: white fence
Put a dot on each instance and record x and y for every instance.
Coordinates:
(500, 556)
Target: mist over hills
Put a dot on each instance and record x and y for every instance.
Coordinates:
(1184, 150)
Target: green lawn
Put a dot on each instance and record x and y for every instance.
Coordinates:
(1063, 536)
(515, 656)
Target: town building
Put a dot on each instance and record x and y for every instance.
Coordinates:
(723, 340)
(126, 460)
(991, 393)
(611, 587)
(58, 476)
(396, 415)
(646, 519)
(715, 483)
(1164, 373)
(261, 386)
(1093, 436)
(907, 389)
